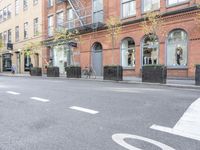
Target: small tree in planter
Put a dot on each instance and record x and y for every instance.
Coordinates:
(72, 37)
(154, 74)
(1, 46)
(114, 27)
(197, 75)
(197, 69)
(31, 49)
(152, 26)
(1, 43)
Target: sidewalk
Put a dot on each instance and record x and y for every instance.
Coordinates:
(171, 82)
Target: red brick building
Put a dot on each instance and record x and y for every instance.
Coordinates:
(178, 48)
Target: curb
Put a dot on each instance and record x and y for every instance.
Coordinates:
(183, 86)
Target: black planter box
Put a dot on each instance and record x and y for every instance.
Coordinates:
(197, 75)
(113, 73)
(36, 71)
(53, 72)
(73, 72)
(154, 73)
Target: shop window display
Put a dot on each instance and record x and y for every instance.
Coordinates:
(177, 49)
(150, 50)
(128, 52)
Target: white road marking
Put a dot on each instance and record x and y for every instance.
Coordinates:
(13, 93)
(120, 139)
(39, 99)
(189, 124)
(132, 90)
(84, 110)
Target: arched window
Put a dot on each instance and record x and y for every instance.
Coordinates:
(97, 47)
(177, 48)
(128, 52)
(150, 48)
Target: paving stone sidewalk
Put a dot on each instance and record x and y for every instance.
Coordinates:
(171, 82)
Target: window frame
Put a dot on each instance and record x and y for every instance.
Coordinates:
(142, 50)
(16, 34)
(26, 30)
(35, 26)
(48, 4)
(69, 20)
(57, 21)
(121, 6)
(96, 12)
(35, 2)
(25, 7)
(176, 4)
(143, 11)
(134, 51)
(17, 6)
(9, 38)
(166, 51)
(49, 27)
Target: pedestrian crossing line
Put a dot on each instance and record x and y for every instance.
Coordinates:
(93, 112)
(39, 99)
(12, 92)
(188, 125)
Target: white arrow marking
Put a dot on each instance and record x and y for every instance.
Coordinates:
(84, 110)
(189, 124)
(39, 99)
(13, 93)
(120, 139)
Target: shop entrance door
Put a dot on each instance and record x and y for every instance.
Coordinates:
(7, 62)
(97, 59)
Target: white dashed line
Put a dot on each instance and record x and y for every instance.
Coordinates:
(93, 112)
(13, 93)
(39, 99)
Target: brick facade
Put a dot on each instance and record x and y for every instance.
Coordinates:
(182, 16)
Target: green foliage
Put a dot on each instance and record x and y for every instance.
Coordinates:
(1, 43)
(31, 48)
(152, 25)
(63, 35)
(114, 27)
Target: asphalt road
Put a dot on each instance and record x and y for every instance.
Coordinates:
(38, 114)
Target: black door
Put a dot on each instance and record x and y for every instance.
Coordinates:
(7, 62)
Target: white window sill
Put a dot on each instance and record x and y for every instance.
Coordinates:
(128, 68)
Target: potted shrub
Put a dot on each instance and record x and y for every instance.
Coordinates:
(31, 49)
(36, 71)
(114, 72)
(154, 73)
(73, 71)
(53, 71)
(197, 75)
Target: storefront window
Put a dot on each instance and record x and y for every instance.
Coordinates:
(150, 50)
(177, 49)
(60, 57)
(128, 52)
(7, 62)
